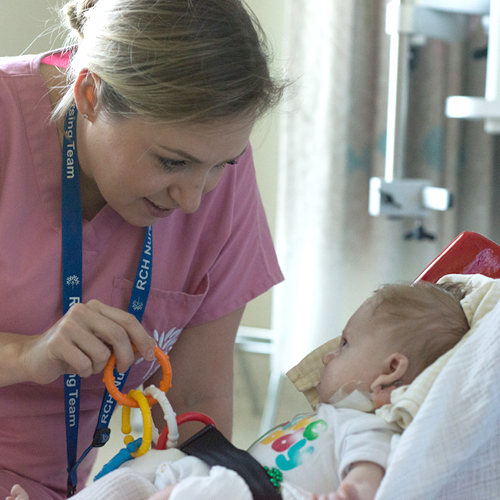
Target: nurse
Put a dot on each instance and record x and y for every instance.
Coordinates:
(129, 214)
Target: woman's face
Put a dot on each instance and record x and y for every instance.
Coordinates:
(146, 170)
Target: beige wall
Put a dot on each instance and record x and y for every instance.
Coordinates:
(30, 26)
(265, 140)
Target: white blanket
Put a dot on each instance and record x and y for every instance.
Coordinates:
(141, 478)
(451, 450)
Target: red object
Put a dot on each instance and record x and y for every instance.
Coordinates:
(468, 253)
(192, 416)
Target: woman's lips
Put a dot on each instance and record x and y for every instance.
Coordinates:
(157, 211)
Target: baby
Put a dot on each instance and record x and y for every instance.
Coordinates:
(340, 452)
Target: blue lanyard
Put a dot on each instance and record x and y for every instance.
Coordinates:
(72, 294)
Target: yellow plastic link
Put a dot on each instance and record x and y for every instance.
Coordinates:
(126, 427)
(128, 439)
(147, 423)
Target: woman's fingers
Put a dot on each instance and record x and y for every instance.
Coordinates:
(82, 341)
(123, 329)
(86, 356)
(17, 493)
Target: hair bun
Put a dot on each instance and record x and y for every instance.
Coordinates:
(74, 13)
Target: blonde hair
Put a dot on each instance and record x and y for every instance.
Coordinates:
(172, 60)
(425, 320)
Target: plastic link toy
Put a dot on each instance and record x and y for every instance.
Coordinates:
(169, 437)
(125, 400)
(172, 431)
(164, 439)
(146, 419)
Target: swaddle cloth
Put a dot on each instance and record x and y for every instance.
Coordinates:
(121, 484)
(305, 376)
(196, 480)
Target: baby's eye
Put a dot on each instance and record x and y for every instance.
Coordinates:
(343, 342)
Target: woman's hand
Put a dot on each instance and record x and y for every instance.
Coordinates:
(17, 493)
(82, 341)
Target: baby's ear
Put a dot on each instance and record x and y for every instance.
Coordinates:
(395, 367)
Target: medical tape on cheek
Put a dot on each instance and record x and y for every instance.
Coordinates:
(354, 395)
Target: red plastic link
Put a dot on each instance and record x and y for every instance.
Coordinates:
(192, 416)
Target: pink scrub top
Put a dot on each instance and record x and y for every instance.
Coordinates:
(205, 265)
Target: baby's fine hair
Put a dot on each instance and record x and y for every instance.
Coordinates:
(425, 319)
(188, 61)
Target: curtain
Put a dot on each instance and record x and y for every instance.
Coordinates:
(333, 253)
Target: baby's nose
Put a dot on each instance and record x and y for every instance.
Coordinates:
(330, 355)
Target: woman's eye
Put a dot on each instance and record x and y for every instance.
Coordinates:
(223, 165)
(170, 165)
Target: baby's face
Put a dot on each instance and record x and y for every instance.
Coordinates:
(360, 356)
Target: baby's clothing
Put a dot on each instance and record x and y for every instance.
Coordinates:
(313, 452)
(205, 265)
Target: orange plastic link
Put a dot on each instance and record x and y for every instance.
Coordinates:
(125, 400)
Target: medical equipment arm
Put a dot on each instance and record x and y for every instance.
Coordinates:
(409, 23)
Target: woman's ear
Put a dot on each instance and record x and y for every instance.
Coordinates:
(394, 368)
(85, 92)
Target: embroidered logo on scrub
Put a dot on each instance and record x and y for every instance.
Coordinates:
(294, 440)
(164, 341)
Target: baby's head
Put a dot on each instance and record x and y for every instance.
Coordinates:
(393, 337)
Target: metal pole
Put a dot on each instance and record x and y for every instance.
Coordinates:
(397, 101)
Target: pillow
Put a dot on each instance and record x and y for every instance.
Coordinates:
(305, 376)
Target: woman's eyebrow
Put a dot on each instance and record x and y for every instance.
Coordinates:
(182, 153)
(192, 158)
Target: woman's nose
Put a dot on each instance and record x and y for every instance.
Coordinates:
(187, 191)
(188, 194)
